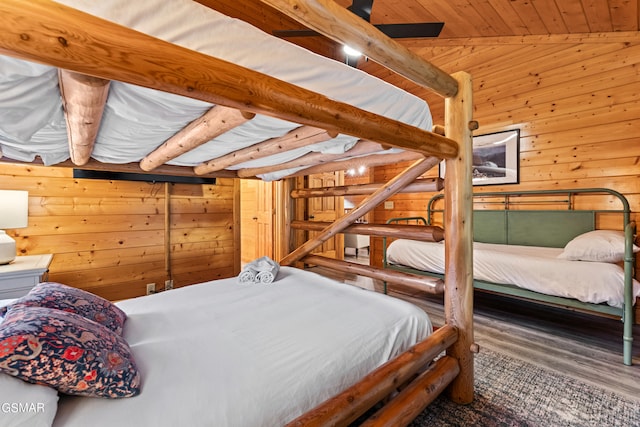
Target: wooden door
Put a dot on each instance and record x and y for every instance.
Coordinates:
(256, 219)
(327, 209)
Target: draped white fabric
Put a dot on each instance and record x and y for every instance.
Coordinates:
(136, 120)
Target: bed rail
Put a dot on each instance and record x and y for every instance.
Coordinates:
(523, 198)
(346, 407)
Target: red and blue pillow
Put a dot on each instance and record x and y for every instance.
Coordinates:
(68, 352)
(73, 300)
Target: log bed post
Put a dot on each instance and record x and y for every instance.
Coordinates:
(458, 224)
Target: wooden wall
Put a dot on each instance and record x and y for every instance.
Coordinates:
(110, 237)
(575, 99)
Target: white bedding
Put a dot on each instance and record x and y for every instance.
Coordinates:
(534, 268)
(229, 354)
(136, 120)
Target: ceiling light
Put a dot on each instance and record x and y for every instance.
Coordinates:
(349, 51)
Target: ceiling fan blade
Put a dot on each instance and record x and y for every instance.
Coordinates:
(395, 31)
(362, 8)
(406, 31)
(294, 33)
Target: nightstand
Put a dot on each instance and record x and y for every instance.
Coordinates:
(18, 277)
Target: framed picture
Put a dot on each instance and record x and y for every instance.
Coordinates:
(496, 158)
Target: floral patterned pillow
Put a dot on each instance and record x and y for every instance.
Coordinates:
(74, 300)
(67, 352)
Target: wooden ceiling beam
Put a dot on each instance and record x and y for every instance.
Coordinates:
(343, 26)
(83, 101)
(211, 124)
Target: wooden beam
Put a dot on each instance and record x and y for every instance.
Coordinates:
(386, 191)
(370, 161)
(360, 149)
(347, 406)
(83, 101)
(341, 25)
(297, 138)
(430, 285)
(418, 186)
(413, 399)
(458, 226)
(425, 233)
(211, 124)
(54, 34)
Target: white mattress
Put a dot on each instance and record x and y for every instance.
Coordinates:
(225, 354)
(534, 268)
(137, 120)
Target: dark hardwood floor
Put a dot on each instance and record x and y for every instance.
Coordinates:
(586, 347)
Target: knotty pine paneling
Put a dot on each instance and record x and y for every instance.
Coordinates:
(574, 98)
(109, 237)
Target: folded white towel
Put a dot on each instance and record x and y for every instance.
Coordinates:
(247, 276)
(265, 277)
(262, 270)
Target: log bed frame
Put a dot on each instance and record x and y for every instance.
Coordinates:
(90, 52)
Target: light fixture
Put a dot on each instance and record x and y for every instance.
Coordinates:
(349, 51)
(14, 206)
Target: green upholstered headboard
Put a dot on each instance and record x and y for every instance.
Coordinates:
(531, 228)
(515, 224)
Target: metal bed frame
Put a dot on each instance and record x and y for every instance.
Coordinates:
(506, 219)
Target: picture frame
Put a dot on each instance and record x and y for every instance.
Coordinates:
(496, 158)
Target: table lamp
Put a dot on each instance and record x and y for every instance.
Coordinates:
(14, 206)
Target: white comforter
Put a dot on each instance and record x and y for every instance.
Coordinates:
(534, 268)
(229, 354)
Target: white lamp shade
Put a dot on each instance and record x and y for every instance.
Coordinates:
(14, 208)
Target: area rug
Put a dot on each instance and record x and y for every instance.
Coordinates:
(511, 392)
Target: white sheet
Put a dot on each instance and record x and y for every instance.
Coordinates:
(534, 268)
(226, 354)
(137, 120)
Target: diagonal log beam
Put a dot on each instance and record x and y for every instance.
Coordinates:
(386, 191)
(211, 124)
(54, 34)
(341, 25)
(83, 101)
(297, 138)
(370, 161)
(360, 149)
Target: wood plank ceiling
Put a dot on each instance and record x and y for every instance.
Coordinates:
(462, 18)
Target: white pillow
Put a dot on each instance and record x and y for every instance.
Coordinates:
(4, 303)
(597, 245)
(26, 405)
